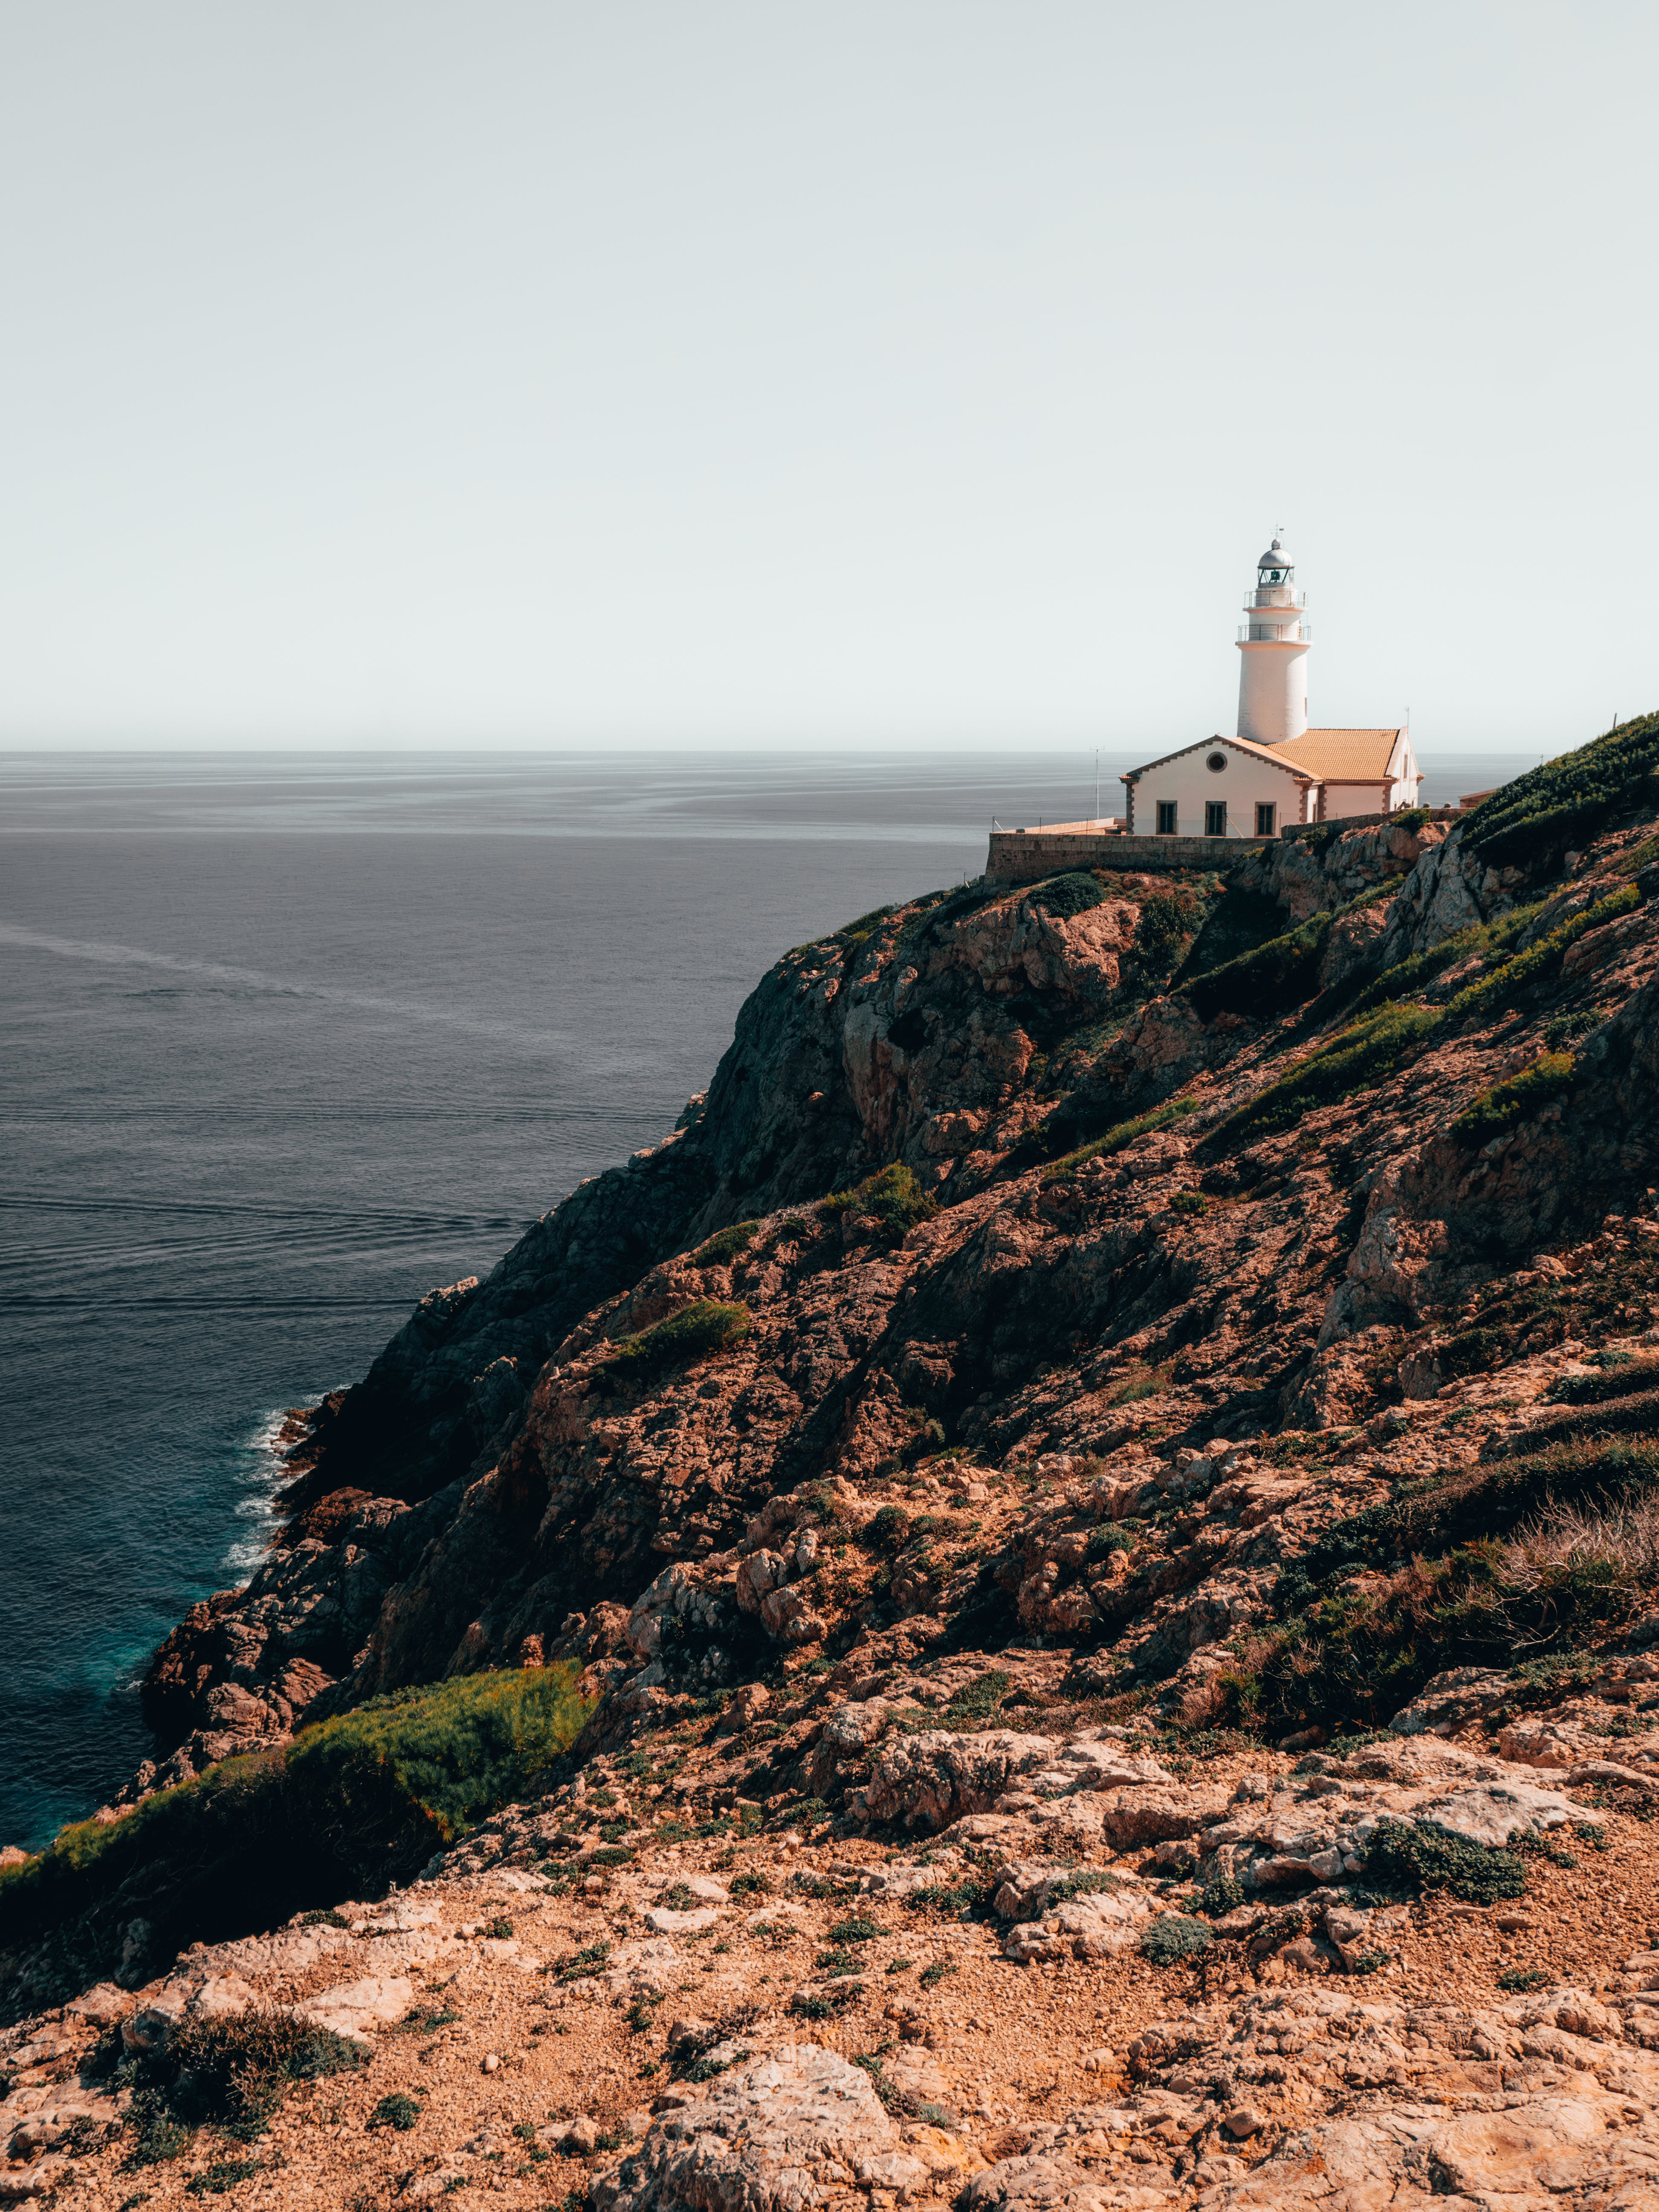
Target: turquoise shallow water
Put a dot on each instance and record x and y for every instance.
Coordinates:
(289, 1041)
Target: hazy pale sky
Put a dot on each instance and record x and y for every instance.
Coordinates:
(497, 373)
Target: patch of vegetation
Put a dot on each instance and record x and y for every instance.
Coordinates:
(580, 1963)
(1065, 896)
(725, 1244)
(1189, 1202)
(1173, 1936)
(500, 1929)
(977, 1700)
(222, 2176)
(811, 2006)
(1499, 1107)
(1104, 1541)
(1487, 993)
(1221, 1897)
(859, 1928)
(1141, 1381)
(887, 1531)
(1091, 1881)
(1114, 1139)
(1522, 1978)
(354, 1802)
(836, 1965)
(1163, 927)
(892, 1197)
(157, 2135)
(1406, 1854)
(396, 2111)
(1488, 940)
(696, 1332)
(231, 2074)
(1357, 1057)
(1568, 801)
(931, 1976)
(1611, 1381)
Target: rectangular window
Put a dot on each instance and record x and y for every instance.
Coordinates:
(1264, 820)
(1215, 818)
(1166, 817)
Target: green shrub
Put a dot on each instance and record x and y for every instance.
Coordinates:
(697, 1331)
(1408, 1854)
(1356, 1056)
(1162, 928)
(442, 1756)
(1189, 1202)
(931, 1976)
(892, 1195)
(886, 1530)
(1522, 1978)
(1221, 1897)
(978, 1700)
(1102, 1148)
(1625, 1380)
(396, 2111)
(1489, 992)
(1172, 1936)
(725, 1244)
(1503, 1104)
(1065, 896)
(1567, 800)
(860, 1929)
(156, 2136)
(1103, 1542)
(1409, 818)
(837, 1964)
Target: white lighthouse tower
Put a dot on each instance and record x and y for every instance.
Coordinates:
(1272, 646)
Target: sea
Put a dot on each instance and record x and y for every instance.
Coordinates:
(290, 1038)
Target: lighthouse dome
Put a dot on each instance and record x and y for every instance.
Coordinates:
(1276, 556)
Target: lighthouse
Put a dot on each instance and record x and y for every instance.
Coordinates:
(1272, 646)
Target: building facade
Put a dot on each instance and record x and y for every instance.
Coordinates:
(1278, 771)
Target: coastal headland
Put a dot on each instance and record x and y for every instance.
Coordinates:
(1053, 1601)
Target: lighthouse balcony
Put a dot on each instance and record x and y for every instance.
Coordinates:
(1287, 632)
(1276, 595)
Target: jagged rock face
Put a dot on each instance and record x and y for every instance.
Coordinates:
(1180, 1291)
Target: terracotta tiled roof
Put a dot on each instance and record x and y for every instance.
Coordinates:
(1341, 755)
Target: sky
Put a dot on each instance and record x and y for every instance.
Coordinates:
(926, 372)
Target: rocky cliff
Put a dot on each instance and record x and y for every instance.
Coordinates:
(1204, 1319)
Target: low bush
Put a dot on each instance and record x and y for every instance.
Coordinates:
(1162, 926)
(1498, 1108)
(696, 1332)
(725, 1244)
(1173, 1936)
(1358, 1056)
(221, 2177)
(396, 2111)
(1066, 895)
(1604, 1383)
(892, 1196)
(1125, 1133)
(1189, 1202)
(1567, 800)
(1404, 1855)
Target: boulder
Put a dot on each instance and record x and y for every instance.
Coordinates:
(781, 2134)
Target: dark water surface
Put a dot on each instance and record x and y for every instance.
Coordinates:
(289, 1041)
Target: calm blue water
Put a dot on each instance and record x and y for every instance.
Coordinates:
(289, 1041)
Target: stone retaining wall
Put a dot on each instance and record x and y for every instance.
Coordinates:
(1026, 856)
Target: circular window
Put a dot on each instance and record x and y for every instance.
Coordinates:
(1216, 763)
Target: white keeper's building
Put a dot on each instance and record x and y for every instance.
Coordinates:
(1277, 771)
